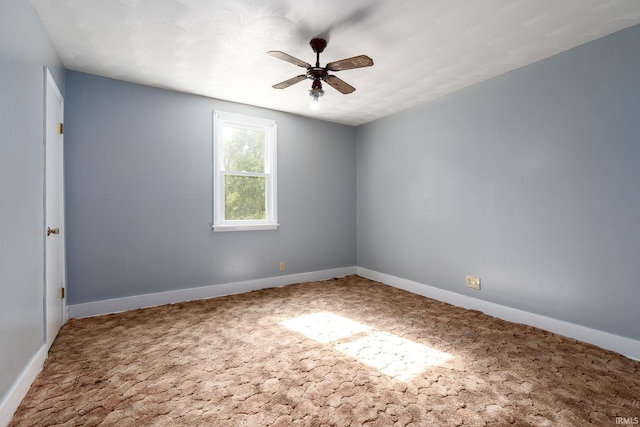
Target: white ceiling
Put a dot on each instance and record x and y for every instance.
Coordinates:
(422, 49)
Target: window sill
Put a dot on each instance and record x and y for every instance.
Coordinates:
(245, 227)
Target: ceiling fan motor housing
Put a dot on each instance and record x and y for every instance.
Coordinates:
(317, 73)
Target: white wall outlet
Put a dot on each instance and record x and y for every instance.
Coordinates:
(283, 266)
(473, 282)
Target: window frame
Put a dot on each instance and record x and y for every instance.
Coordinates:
(222, 119)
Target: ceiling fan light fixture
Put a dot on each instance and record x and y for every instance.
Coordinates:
(315, 92)
(315, 104)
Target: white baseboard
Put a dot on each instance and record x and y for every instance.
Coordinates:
(20, 388)
(625, 346)
(117, 305)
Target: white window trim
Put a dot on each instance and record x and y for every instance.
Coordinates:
(220, 119)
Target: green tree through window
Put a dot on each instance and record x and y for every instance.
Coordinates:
(244, 183)
(244, 172)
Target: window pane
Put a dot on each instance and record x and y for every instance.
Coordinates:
(244, 150)
(244, 197)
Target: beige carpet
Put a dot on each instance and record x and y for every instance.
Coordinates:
(343, 352)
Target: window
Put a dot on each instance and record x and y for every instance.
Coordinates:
(244, 173)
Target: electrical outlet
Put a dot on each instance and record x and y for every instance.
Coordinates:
(473, 282)
(283, 266)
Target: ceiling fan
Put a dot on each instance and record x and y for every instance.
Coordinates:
(319, 74)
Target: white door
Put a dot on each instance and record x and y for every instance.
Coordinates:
(54, 211)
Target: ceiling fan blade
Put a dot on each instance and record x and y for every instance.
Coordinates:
(350, 63)
(285, 84)
(289, 58)
(339, 85)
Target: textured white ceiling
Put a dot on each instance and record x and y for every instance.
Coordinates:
(422, 49)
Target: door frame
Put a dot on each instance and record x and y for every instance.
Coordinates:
(50, 84)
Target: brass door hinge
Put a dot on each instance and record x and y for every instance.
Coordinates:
(61, 128)
(62, 293)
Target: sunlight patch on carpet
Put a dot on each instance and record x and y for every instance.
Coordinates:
(392, 355)
(325, 327)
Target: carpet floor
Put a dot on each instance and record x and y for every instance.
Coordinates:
(341, 352)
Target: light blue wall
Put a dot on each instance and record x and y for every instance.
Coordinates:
(139, 194)
(24, 52)
(529, 180)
